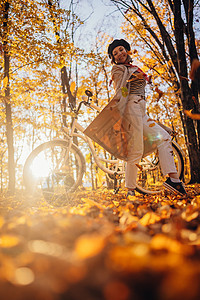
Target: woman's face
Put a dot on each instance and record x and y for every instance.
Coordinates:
(120, 55)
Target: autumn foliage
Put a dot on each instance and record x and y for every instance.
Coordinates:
(101, 246)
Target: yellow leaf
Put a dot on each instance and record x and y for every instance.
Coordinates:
(8, 241)
(198, 199)
(152, 125)
(160, 242)
(190, 217)
(89, 245)
(92, 202)
(72, 86)
(5, 82)
(88, 158)
(127, 218)
(124, 91)
(149, 218)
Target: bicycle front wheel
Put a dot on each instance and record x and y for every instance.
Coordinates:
(150, 178)
(54, 171)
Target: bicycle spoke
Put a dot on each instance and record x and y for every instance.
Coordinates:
(55, 171)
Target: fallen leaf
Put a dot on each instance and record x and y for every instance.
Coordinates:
(149, 218)
(8, 241)
(89, 245)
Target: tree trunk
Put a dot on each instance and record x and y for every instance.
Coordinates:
(66, 84)
(191, 128)
(9, 127)
(186, 94)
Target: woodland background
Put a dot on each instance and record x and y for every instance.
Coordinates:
(99, 246)
(44, 68)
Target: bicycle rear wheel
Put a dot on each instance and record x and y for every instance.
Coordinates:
(150, 178)
(54, 172)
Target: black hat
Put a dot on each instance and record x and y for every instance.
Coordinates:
(117, 43)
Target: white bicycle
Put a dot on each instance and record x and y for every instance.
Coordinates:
(61, 165)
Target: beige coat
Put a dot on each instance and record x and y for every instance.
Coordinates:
(110, 129)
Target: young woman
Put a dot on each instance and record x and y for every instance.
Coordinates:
(145, 132)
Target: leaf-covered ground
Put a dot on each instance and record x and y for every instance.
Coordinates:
(101, 246)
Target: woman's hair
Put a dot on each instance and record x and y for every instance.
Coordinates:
(117, 43)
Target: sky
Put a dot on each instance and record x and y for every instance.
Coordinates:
(102, 14)
(98, 15)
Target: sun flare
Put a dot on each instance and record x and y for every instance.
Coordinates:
(40, 167)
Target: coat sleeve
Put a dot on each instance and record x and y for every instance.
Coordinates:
(117, 75)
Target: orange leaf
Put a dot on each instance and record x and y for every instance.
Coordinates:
(89, 245)
(160, 93)
(195, 66)
(139, 167)
(8, 241)
(192, 116)
(92, 202)
(149, 218)
(72, 86)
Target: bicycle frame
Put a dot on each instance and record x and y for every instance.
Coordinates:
(98, 160)
(69, 163)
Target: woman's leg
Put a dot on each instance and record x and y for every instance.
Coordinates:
(156, 137)
(134, 115)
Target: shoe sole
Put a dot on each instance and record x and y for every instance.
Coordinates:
(169, 187)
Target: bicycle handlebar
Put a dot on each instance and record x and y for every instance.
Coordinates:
(95, 107)
(86, 103)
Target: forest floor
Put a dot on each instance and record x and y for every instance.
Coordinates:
(101, 246)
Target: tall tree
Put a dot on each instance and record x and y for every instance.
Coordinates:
(64, 28)
(9, 126)
(166, 29)
(30, 66)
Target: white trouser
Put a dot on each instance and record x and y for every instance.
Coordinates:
(146, 136)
